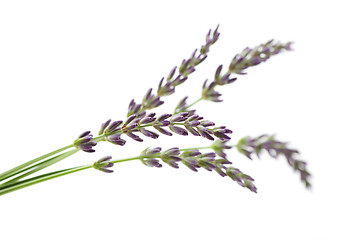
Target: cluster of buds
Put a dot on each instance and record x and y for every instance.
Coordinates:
(253, 56)
(104, 164)
(198, 127)
(241, 178)
(148, 157)
(85, 142)
(194, 160)
(249, 146)
(167, 85)
(112, 131)
(219, 146)
(247, 58)
(183, 107)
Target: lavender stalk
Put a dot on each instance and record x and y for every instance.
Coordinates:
(249, 57)
(167, 86)
(184, 122)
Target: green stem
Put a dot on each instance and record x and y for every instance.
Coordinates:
(17, 169)
(13, 186)
(32, 166)
(192, 104)
(42, 178)
(41, 166)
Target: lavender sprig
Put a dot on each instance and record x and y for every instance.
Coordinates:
(194, 160)
(104, 164)
(166, 124)
(182, 122)
(249, 57)
(250, 146)
(167, 86)
(85, 142)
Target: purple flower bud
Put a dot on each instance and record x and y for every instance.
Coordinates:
(173, 164)
(178, 130)
(130, 118)
(141, 114)
(220, 172)
(163, 131)
(208, 155)
(288, 46)
(221, 135)
(151, 115)
(171, 74)
(84, 142)
(193, 54)
(103, 164)
(207, 123)
(180, 117)
(190, 70)
(191, 164)
(104, 126)
(163, 117)
(255, 61)
(152, 162)
(87, 147)
(131, 104)
(184, 66)
(172, 151)
(155, 103)
(193, 118)
(165, 123)
(86, 139)
(115, 139)
(192, 130)
(149, 133)
(166, 90)
(148, 96)
(147, 120)
(206, 164)
(217, 73)
(113, 126)
(133, 136)
(234, 173)
(250, 186)
(191, 153)
(131, 126)
(205, 132)
(84, 134)
(179, 80)
(152, 151)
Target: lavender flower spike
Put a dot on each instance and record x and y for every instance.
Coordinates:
(103, 164)
(147, 157)
(84, 142)
(249, 146)
(171, 157)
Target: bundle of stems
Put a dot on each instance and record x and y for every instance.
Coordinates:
(182, 121)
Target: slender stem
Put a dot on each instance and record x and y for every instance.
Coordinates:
(42, 178)
(126, 159)
(41, 166)
(13, 186)
(32, 166)
(192, 104)
(15, 170)
(187, 149)
(45, 177)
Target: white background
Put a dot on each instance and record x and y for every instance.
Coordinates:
(68, 66)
